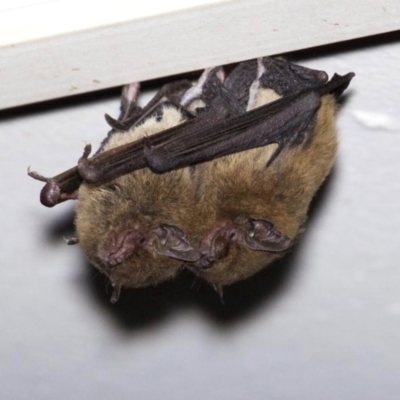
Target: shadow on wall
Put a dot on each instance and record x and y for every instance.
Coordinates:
(141, 308)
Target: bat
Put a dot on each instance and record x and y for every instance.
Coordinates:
(215, 177)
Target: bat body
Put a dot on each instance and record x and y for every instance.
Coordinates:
(216, 177)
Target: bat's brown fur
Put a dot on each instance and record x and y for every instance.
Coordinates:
(220, 190)
(240, 185)
(202, 198)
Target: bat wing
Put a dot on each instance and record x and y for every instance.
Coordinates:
(278, 122)
(108, 165)
(285, 121)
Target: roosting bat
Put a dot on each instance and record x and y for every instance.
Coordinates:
(216, 177)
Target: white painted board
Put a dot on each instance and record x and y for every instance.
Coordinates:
(50, 49)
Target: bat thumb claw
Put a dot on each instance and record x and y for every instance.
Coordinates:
(155, 161)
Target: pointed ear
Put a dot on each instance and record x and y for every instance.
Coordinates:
(169, 240)
(261, 234)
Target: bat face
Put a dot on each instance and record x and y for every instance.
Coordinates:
(215, 177)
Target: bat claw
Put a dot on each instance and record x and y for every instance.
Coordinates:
(156, 161)
(220, 291)
(86, 151)
(112, 122)
(116, 292)
(88, 172)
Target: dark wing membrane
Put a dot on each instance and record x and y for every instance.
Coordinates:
(283, 122)
(279, 122)
(201, 139)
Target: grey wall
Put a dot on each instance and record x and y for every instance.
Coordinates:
(322, 324)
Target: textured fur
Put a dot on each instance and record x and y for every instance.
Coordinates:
(204, 198)
(240, 185)
(140, 198)
(219, 190)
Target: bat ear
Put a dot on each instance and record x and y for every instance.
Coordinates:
(122, 243)
(169, 240)
(261, 234)
(254, 233)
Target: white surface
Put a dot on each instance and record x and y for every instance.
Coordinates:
(27, 20)
(56, 48)
(330, 331)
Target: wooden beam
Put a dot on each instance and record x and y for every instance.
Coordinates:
(51, 49)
